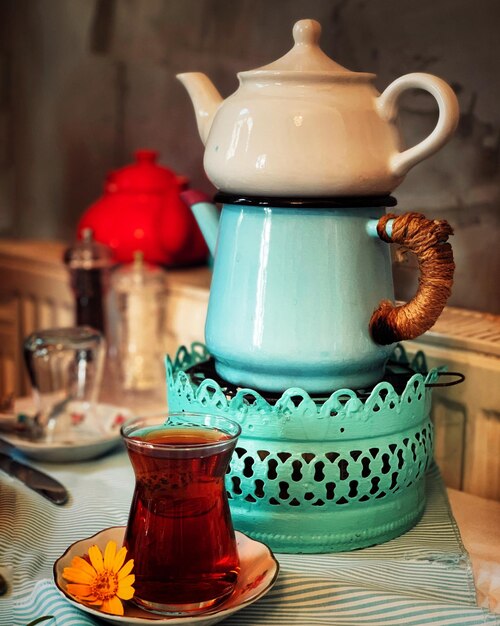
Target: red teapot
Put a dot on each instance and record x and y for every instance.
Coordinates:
(141, 209)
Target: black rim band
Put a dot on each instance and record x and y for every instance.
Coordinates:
(307, 203)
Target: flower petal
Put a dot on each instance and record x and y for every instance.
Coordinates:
(126, 569)
(87, 601)
(96, 559)
(127, 593)
(128, 580)
(109, 555)
(119, 559)
(78, 563)
(113, 606)
(75, 575)
(125, 590)
(81, 591)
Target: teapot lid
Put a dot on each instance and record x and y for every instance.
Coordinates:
(145, 175)
(305, 56)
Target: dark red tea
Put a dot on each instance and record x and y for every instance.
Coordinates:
(179, 531)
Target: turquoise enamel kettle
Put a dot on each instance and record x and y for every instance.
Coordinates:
(305, 154)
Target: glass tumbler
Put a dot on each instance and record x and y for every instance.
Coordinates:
(179, 531)
(65, 369)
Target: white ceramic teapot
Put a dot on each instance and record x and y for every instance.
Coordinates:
(306, 126)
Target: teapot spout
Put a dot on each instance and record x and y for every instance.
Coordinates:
(205, 98)
(206, 215)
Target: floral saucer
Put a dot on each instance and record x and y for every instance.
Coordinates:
(91, 436)
(258, 573)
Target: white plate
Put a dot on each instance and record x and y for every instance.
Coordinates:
(259, 570)
(94, 437)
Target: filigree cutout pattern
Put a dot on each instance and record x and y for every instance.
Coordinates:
(318, 477)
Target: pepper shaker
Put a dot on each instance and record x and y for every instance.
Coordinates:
(89, 263)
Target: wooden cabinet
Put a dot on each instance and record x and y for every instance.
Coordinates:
(467, 416)
(467, 419)
(35, 294)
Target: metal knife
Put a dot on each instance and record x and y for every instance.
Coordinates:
(32, 477)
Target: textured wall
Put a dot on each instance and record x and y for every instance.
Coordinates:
(85, 82)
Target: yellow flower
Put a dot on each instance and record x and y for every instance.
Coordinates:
(101, 581)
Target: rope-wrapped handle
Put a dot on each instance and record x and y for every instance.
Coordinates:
(428, 239)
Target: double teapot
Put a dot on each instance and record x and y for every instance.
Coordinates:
(304, 155)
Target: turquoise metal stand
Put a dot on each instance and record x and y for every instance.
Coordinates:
(325, 475)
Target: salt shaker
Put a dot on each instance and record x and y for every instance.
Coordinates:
(138, 290)
(89, 263)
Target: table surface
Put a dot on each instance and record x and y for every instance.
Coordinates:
(427, 582)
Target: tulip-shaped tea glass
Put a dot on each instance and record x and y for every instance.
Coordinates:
(179, 531)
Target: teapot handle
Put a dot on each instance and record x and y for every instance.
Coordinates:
(401, 162)
(428, 239)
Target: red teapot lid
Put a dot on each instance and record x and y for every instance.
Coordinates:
(145, 175)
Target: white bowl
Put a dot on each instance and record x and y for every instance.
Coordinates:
(258, 572)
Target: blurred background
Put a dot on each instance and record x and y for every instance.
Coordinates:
(84, 83)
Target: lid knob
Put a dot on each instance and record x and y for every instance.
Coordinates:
(306, 32)
(87, 235)
(138, 259)
(146, 156)
(305, 55)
